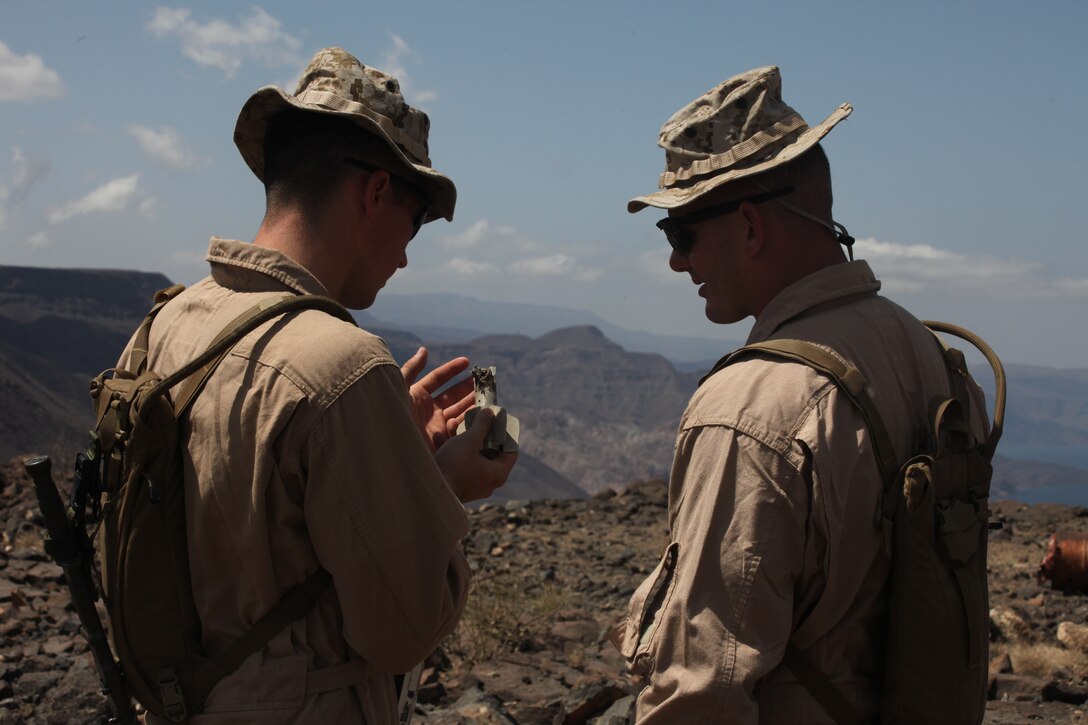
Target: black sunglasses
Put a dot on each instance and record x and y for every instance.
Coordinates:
(680, 236)
(420, 218)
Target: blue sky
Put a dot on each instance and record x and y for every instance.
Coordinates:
(962, 171)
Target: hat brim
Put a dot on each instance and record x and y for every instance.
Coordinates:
(252, 126)
(674, 197)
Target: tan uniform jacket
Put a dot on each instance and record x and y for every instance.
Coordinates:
(302, 452)
(772, 509)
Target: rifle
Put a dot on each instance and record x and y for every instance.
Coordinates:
(66, 541)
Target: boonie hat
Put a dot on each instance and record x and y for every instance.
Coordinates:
(337, 84)
(738, 128)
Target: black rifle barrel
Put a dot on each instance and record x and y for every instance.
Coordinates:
(63, 544)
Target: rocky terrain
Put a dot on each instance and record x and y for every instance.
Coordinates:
(550, 577)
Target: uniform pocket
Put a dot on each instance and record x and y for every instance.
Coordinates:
(635, 636)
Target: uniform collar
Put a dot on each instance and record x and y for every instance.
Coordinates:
(828, 287)
(245, 267)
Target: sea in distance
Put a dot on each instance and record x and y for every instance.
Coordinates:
(1073, 494)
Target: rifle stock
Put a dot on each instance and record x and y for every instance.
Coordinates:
(69, 547)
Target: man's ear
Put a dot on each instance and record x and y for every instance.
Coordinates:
(755, 228)
(375, 188)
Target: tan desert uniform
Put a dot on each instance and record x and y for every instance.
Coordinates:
(772, 508)
(302, 452)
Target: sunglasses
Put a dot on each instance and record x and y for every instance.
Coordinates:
(421, 217)
(681, 238)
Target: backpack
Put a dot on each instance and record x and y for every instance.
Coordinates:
(132, 479)
(934, 519)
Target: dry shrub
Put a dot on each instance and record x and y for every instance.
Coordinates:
(500, 614)
(28, 540)
(1044, 660)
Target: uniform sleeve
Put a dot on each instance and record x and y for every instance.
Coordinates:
(724, 620)
(385, 523)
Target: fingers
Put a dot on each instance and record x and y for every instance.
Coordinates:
(481, 425)
(456, 394)
(445, 373)
(414, 366)
(455, 413)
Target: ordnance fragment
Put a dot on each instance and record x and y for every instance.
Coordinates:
(1066, 561)
(506, 429)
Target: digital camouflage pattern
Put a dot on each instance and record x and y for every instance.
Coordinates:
(337, 83)
(738, 128)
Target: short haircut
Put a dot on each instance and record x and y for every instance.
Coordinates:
(304, 158)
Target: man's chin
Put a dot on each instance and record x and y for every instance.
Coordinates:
(721, 317)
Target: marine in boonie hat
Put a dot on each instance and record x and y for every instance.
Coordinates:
(336, 83)
(739, 128)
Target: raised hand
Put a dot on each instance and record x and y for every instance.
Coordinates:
(437, 416)
(471, 475)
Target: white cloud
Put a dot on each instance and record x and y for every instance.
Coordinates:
(393, 63)
(555, 265)
(224, 45)
(654, 263)
(164, 145)
(499, 239)
(25, 77)
(40, 240)
(460, 265)
(919, 267)
(27, 170)
(147, 207)
(479, 232)
(114, 195)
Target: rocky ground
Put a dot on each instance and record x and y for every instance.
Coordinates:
(550, 577)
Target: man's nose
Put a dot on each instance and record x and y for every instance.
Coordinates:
(678, 262)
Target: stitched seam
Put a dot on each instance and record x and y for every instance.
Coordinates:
(729, 670)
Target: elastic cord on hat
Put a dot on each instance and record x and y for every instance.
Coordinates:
(841, 235)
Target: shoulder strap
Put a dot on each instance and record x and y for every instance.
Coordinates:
(138, 355)
(850, 381)
(295, 602)
(206, 362)
(958, 367)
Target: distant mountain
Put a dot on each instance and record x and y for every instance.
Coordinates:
(1046, 407)
(458, 318)
(593, 414)
(107, 298)
(59, 328)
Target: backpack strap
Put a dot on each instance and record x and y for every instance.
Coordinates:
(204, 364)
(850, 380)
(298, 600)
(138, 357)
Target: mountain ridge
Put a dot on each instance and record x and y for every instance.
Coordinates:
(594, 414)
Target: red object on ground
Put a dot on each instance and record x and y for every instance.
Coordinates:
(1066, 561)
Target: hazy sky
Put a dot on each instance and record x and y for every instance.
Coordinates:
(962, 171)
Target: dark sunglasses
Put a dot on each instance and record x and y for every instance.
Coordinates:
(420, 218)
(680, 236)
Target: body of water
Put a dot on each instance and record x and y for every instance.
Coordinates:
(1072, 494)
(1061, 455)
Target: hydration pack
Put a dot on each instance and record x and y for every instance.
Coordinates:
(131, 478)
(934, 517)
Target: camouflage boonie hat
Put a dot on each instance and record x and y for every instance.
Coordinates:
(739, 128)
(336, 83)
